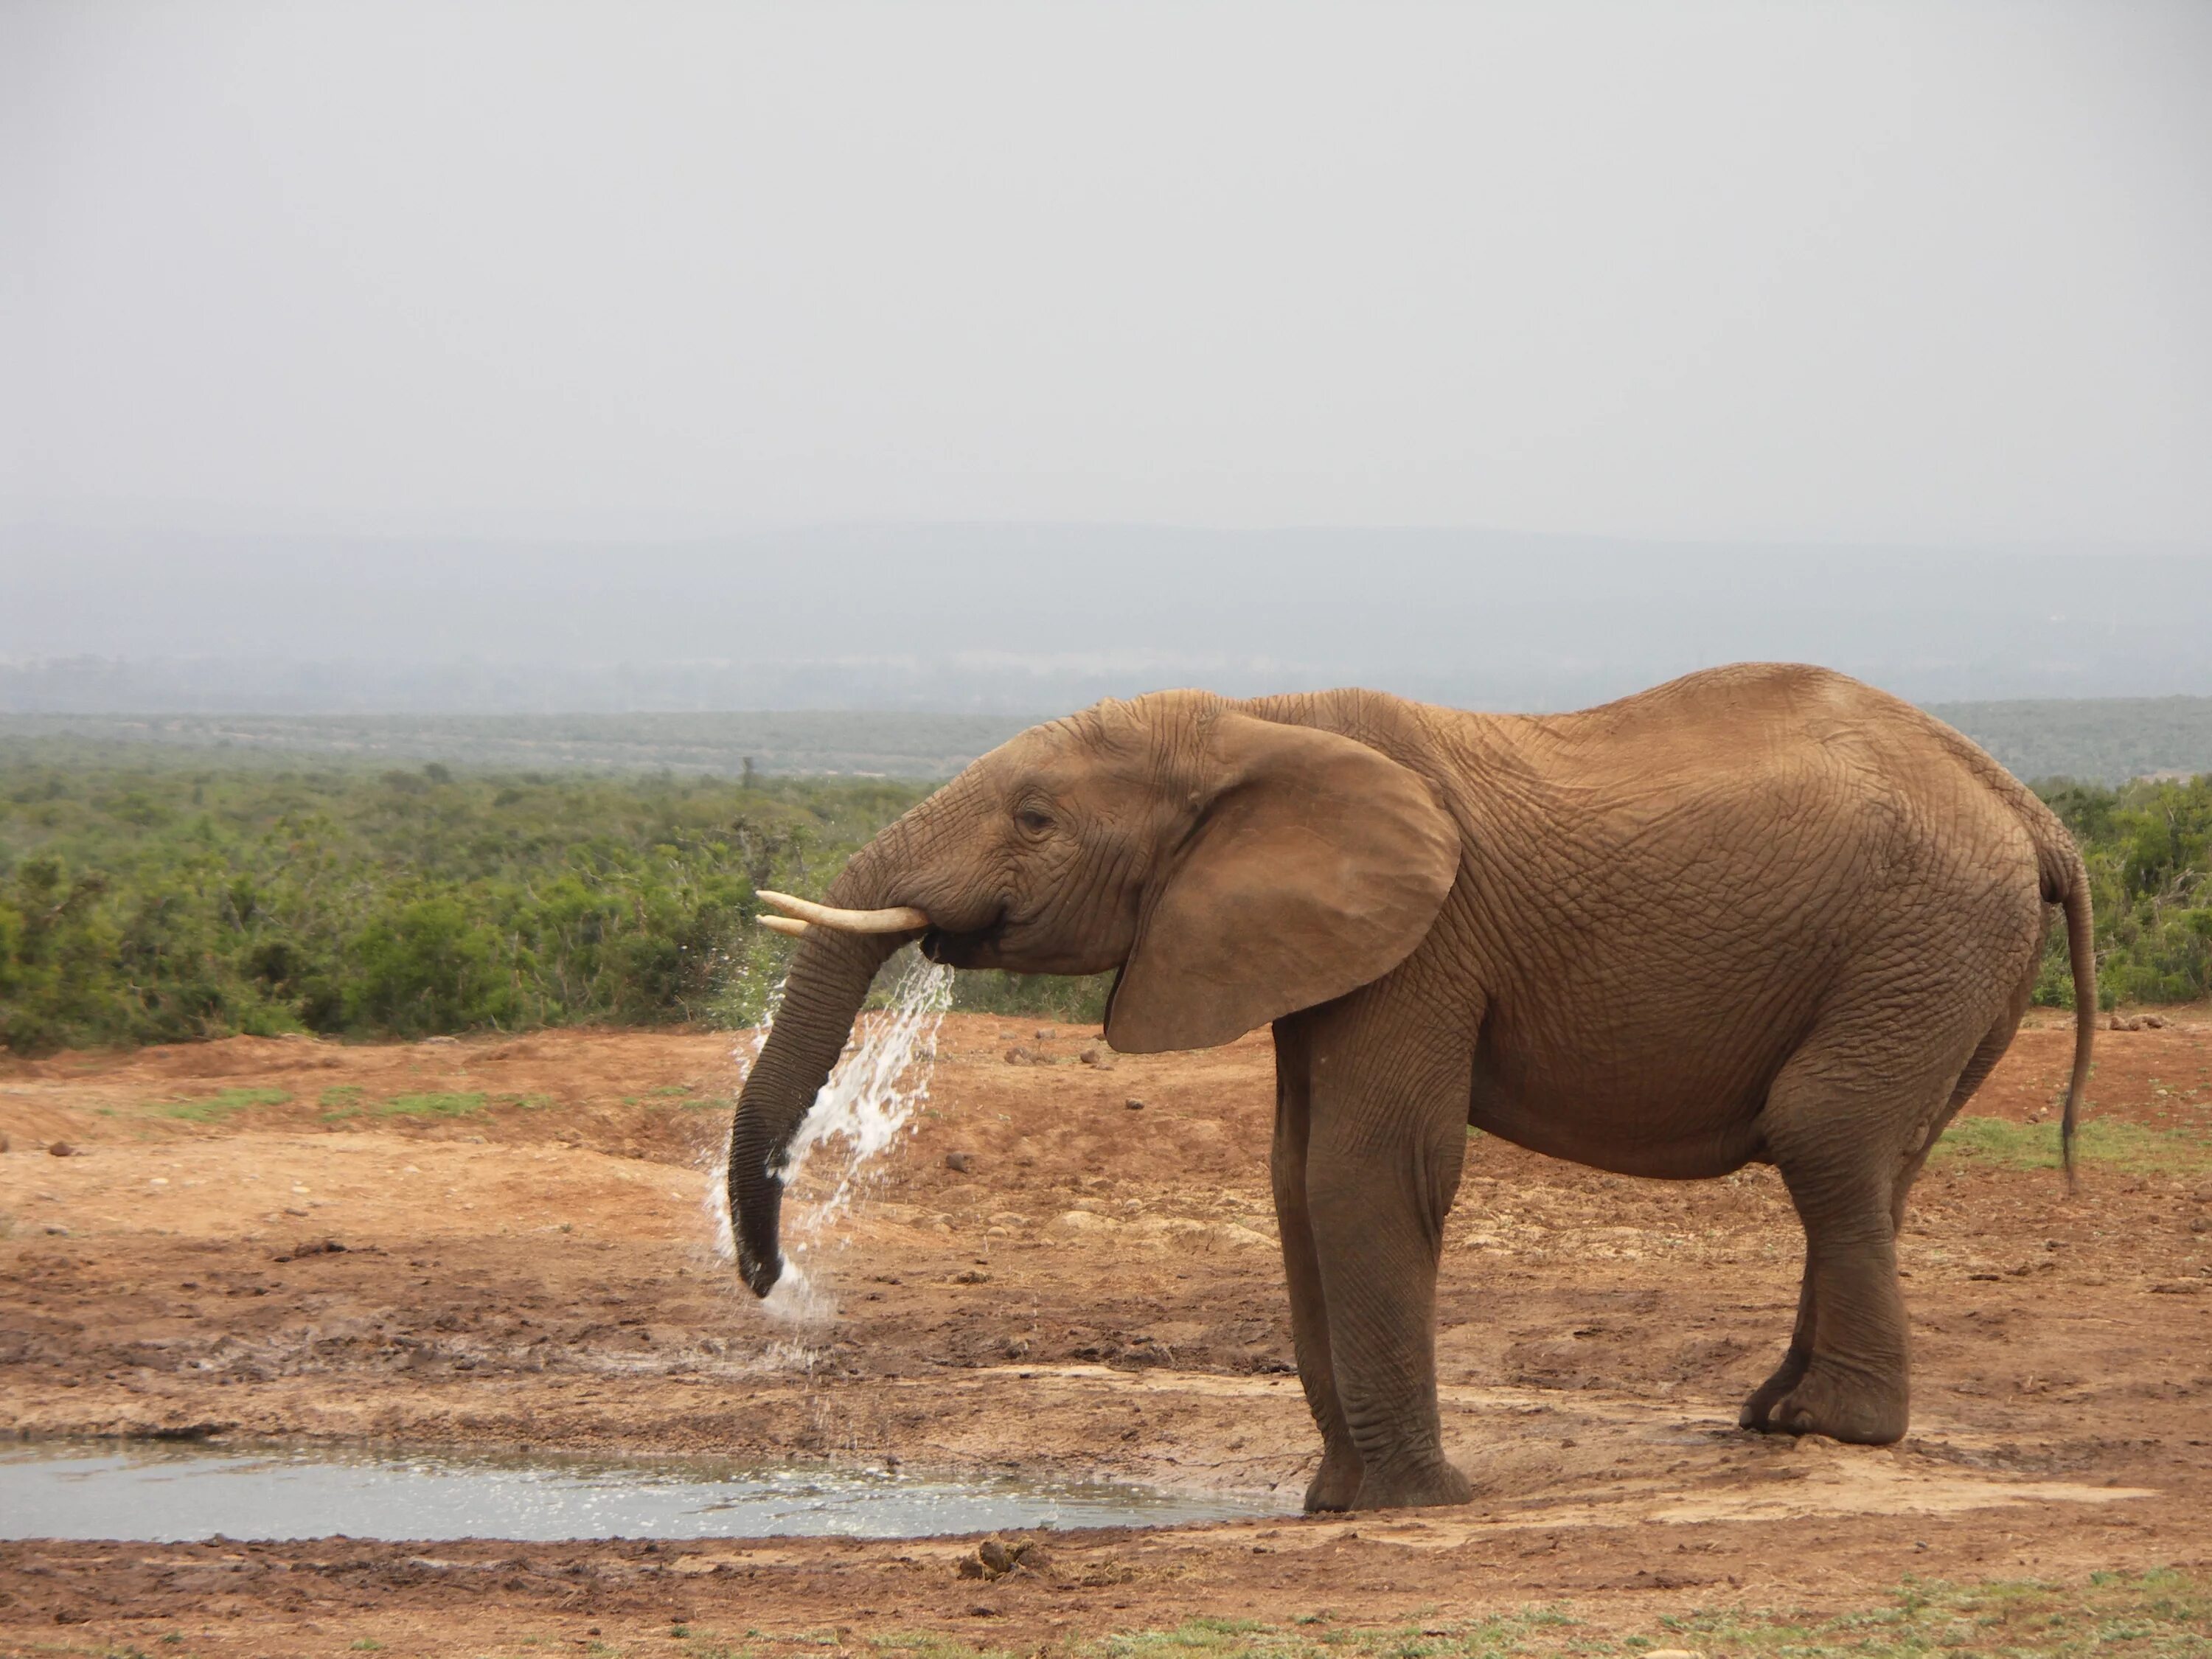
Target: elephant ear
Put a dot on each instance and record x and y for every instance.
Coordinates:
(1315, 865)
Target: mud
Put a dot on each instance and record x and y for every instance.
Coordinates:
(251, 1240)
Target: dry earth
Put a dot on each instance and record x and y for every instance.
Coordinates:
(1094, 1292)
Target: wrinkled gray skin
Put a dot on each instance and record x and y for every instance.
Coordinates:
(1762, 914)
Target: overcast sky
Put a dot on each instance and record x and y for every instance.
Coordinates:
(1917, 272)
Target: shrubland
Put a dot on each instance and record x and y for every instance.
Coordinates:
(150, 904)
(149, 900)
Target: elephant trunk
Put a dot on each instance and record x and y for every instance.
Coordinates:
(830, 977)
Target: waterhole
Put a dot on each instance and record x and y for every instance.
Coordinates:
(171, 1494)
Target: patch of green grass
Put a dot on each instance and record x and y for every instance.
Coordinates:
(906, 1644)
(342, 1102)
(2164, 1615)
(527, 1102)
(223, 1103)
(666, 1089)
(433, 1105)
(2131, 1148)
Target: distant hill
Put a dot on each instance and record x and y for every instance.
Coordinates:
(2099, 739)
(2093, 740)
(817, 743)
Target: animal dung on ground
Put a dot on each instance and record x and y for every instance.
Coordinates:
(62, 1149)
(959, 1163)
(996, 1556)
(1134, 1103)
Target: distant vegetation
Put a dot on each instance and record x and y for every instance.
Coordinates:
(2104, 740)
(898, 745)
(149, 900)
(149, 905)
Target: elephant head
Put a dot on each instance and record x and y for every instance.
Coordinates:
(1234, 868)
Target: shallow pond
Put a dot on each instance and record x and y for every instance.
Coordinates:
(165, 1493)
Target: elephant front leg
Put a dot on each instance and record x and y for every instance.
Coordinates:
(1336, 1483)
(1381, 1174)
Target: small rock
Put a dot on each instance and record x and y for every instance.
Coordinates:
(1045, 1034)
(55, 1230)
(1098, 1057)
(62, 1149)
(3, 1142)
(971, 1276)
(1019, 1055)
(959, 1163)
(1134, 1103)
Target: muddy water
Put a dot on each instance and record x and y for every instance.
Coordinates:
(168, 1494)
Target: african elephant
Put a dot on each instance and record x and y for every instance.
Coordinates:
(1760, 914)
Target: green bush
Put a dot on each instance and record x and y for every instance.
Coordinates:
(144, 903)
(2148, 850)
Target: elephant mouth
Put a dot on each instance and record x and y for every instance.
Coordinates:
(966, 949)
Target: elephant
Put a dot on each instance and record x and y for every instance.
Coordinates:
(1760, 914)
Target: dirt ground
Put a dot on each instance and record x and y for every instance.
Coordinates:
(1047, 1280)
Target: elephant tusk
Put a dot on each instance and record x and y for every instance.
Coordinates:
(899, 919)
(783, 925)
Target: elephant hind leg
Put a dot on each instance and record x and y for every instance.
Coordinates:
(1849, 1148)
(1758, 1411)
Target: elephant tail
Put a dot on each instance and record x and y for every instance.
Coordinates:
(2066, 882)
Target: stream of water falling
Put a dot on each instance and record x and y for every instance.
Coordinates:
(869, 1105)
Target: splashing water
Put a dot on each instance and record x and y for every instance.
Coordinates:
(871, 1100)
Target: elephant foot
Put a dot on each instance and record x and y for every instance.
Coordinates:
(1757, 1412)
(1424, 1485)
(1861, 1407)
(1335, 1485)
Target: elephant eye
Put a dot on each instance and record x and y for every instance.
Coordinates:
(1032, 820)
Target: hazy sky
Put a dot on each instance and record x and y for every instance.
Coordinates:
(1918, 272)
